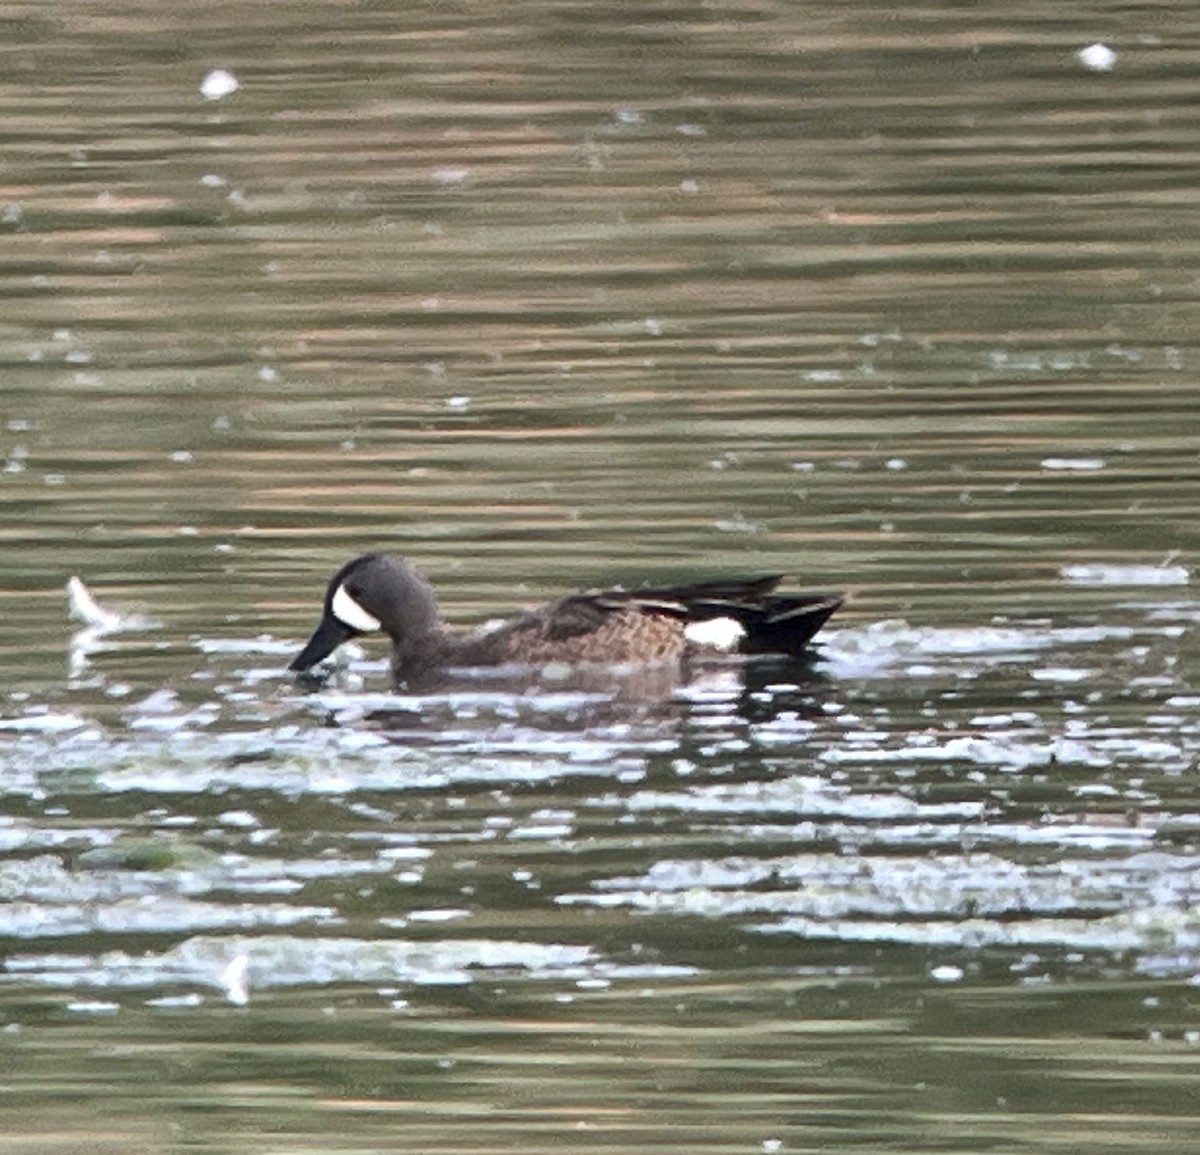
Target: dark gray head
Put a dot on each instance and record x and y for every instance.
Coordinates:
(372, 593)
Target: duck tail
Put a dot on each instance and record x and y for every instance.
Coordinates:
(786, 623)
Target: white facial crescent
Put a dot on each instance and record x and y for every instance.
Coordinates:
(350, 613)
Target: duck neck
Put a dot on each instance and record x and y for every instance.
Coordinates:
(416, 656)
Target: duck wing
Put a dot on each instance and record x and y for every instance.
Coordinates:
(579, 614)
(652, 624)
(771, 622)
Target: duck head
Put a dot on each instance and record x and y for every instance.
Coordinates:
(371, 594)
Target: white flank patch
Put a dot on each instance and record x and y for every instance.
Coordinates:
(350, 613)
(715, 634)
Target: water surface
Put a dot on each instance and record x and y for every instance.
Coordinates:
(898, 303)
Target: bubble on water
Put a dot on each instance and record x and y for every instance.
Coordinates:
(1077, 464)
(218, 84)
(93, 1007)
(1100, 574)
(233, 980)
(1097, 57)
(82, 607)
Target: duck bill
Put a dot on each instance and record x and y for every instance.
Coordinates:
(326, 638)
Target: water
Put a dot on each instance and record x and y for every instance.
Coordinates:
(898, 303)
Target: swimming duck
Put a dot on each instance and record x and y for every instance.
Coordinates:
(378, 593)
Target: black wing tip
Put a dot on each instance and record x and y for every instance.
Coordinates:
(785, 606)
(787, 623)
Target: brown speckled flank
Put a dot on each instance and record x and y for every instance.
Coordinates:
(626, 627)
(625, 636)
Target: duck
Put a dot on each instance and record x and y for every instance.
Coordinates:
(381, 593)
